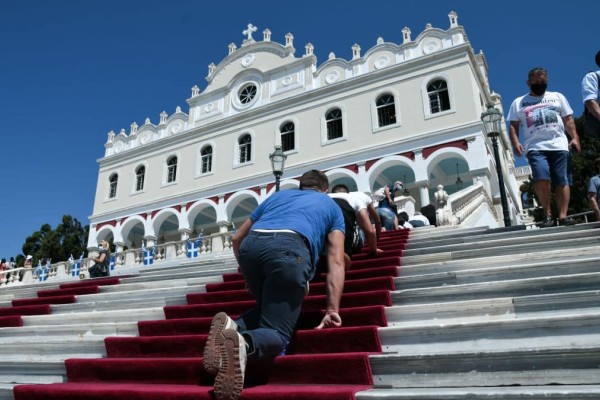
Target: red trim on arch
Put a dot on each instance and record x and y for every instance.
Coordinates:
(227, 196)
(112, 223)
(460, 144)
(154, 213)
(256, 190)
(409, 154)
(370, 163)
(353, 168)
(270, 186)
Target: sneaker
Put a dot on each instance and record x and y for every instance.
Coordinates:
(547, 222)
(567, 221)
(230, 379)
(211, 358)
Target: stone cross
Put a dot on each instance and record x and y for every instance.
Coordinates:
(251, 29)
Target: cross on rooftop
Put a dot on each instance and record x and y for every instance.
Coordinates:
(251, 29)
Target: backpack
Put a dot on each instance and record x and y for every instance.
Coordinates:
(591, 126)
(354, 240)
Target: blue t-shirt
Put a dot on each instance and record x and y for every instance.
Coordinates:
(307, 212)
(594, 185)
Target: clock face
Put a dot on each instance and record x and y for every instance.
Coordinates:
(119, 146)
(177, 126)
(145, 138)
(332, 76)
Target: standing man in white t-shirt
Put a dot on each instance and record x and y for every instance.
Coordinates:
(542, 117)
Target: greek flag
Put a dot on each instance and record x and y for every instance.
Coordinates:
(193, 247)
(76, 266)
(43, 274)
(112, 262)
(148, 255)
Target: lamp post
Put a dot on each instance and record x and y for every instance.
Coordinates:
(277, 164)
(492, 126)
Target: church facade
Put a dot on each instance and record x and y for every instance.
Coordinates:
(408, 112)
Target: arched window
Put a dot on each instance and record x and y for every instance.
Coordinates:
(112, 186)
(206, 154)
(439, 99)
(140, 174)
(386, 110)
(245, 143)
(172, 169)
(287, 136)
(334, 124)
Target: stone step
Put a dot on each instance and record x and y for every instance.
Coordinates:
(24, 371)
(46, 348)
(505, 246)
(32, 328)
(504, 271)
(75, 318)
(530, 367)
(173, 274)
(509, 334)
(411, 268)
(516, 287)
(490, 309)
(547, 392)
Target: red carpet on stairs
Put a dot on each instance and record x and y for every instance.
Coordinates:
(164, 362)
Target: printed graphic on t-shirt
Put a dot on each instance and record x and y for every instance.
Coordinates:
(541, 116)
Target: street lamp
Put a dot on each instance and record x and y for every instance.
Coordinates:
(492, 126)
(277, 164)
(459, 182)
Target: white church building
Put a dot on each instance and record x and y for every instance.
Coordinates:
(408, 112)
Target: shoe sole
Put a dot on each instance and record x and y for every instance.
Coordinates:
(211, 358)
(230, 379)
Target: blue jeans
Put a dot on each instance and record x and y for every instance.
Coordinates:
(387, 218)
(276, 267)
(553, 166)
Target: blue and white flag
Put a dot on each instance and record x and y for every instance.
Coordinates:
(148, 255)
(76, 266)
(112, 262)
(193, 247)
(43, 274)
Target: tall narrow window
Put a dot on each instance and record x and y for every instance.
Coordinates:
(140, 175)
(112, 186)
(334, 124)
(206, 154)
(172, 169)
(245, 143)
(386, 110)
(439, 100)
(287, 136)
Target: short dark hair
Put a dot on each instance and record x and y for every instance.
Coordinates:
(314, 179)
(535, 71)
(598, 58)
(597, 162)
(340, 188)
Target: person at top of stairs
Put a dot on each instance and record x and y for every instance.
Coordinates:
(277, 249)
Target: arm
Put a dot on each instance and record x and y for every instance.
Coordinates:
(593, 108)
(514, 138)
(569, 123)
(374, 216)
(362, 219)
(100, 260)
(239, 236)
(335, 280)
(593, 198)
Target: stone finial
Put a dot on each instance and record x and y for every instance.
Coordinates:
(289, 40)
(406, 35)
(163, 117)
(232, 47)
(195, 90)
(177, 109)
(380, 40)
(134, 128)
(147, 121)
(331, 55)
(122, 132)
(355, 51)
(310, 49)
(428, 26)
(211, 68)
(248, 32)
(266, 35)
(111, 136)
(453, 19)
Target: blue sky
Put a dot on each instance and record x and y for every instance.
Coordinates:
(70, 71)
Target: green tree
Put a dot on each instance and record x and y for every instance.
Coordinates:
(69, 237)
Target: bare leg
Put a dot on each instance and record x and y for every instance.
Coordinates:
(563, 194)
(542, 190)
